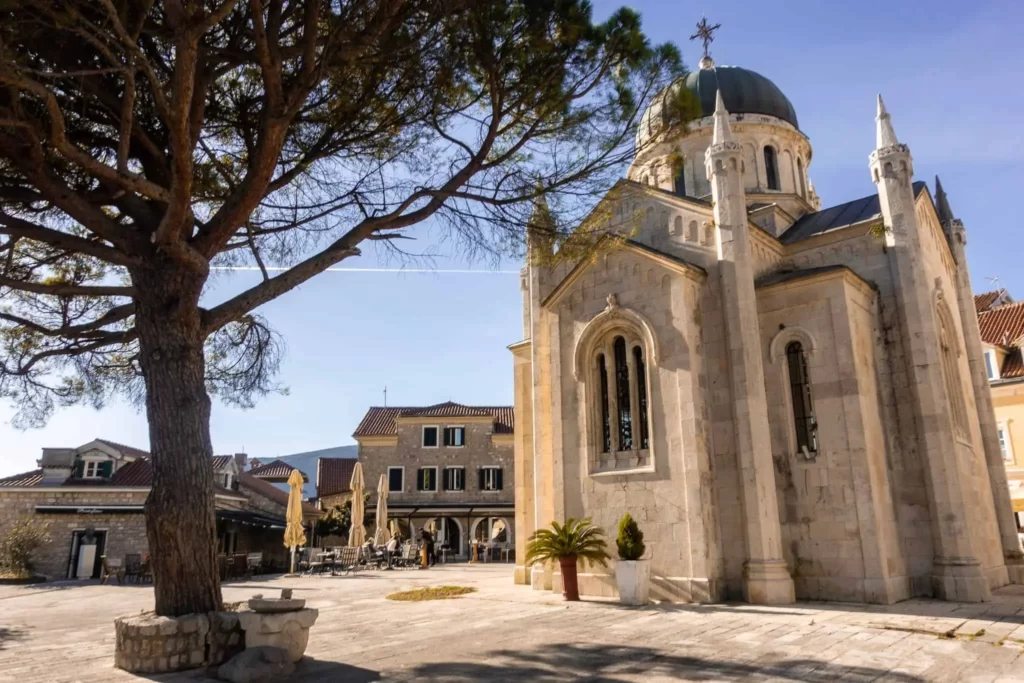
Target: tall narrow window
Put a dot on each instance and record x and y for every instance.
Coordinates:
(606, 418)
(801, 181)
(800, 392)
(641, 384)
(680, 181)
(948, 343)
(622, 395)
(771, 167)
(991, 366)
(1004, 442)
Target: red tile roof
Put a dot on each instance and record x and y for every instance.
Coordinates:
(380, 421)
(1002, 325)
(33, 478)
(221, 461)
(268, 490)
(278, 469)
(1013, 365)
(333, 475)
(986, 300)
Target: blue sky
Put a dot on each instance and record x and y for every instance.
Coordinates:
(950, 73)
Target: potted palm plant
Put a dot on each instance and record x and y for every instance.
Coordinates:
(632, 574)
(575, 540)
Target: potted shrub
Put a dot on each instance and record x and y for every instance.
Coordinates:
(632, 574)
(575, 540)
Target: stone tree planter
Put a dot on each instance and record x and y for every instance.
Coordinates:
(278, 622)
(634, 580)
(146, 643)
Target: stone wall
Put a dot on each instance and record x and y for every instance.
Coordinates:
(480, 450)
(126, 533)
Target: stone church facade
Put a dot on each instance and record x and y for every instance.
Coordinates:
(791, 401)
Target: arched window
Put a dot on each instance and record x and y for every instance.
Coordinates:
(951, 372)
(677, 227)
(620, 410)
(800, 180)
(679, 183)
(804, 420)
(771, 167)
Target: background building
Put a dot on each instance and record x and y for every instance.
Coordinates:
(1001, 321)
(447, 467)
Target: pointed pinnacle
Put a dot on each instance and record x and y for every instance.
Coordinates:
(722, 131)
(942, 207)
(886, 136)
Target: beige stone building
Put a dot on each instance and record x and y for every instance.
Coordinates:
(92, 497)
(448, 467)
(792, 401)
(1001, 321)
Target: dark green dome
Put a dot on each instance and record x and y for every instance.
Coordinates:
(743, 92)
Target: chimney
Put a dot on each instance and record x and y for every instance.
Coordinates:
(57, 465)
(254, 463)
(240, 459)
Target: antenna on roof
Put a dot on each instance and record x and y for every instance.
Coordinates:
(994, 281)
(385, 396)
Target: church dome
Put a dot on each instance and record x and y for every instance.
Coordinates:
(743, 92)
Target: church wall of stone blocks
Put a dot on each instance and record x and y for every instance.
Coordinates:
(790, 400)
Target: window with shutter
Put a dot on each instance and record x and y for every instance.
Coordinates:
(106, 469)
(454, 479)
(427, 479)
(490, 479)
(455, 436)
(79, 469)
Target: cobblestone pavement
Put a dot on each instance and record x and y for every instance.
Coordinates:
(57, 632)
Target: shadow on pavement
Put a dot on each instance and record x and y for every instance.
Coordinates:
(608, 664)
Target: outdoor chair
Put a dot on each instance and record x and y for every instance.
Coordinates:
(347, 560)
(133, 567)
(255, 562)
(240, 566)
(112, 568)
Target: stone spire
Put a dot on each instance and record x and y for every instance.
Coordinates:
(942, 204)
(722, 131)
(886, 136)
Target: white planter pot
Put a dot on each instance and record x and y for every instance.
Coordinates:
(634, 579)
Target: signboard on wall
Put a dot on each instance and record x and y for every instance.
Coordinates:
(89, 509)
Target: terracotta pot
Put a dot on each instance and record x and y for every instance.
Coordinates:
(570, 584)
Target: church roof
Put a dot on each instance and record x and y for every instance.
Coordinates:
(840, 216)
(787, 275)
(743, 92)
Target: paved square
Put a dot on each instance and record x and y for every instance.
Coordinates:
(55, 633)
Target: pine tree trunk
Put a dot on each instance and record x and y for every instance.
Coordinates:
(180, 521)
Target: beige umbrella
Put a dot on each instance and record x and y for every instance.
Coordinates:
(294, 534)
(357, 532)
(383, 535)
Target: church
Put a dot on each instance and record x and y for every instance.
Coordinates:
(791, 401)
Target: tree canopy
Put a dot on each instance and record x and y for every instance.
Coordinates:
(145, 142)
(279, 133)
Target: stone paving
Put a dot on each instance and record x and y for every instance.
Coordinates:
(64, 632)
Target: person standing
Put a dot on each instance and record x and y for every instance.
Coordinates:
(428, 547)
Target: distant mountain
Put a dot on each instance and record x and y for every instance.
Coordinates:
(306, 463)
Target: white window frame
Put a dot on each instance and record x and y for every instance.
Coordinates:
(437, 436)
(455, 467)
(493, 482)
(400, 468)
(463, 428)
(94, 463)
(991, 364)
(1005, 444)
(436, 482)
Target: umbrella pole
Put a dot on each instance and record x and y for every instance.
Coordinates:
(293, 560)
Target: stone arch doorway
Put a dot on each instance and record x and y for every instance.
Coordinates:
(446, 530)
(492, 530)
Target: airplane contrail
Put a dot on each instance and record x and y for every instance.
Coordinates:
(381, 270)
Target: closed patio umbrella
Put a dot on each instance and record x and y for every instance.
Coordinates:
(294, 534)
(383, 535)
(357, 532)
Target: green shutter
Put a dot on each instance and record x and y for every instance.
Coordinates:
(106, 469)
(79, 469)
(480, 472)
(498, 478)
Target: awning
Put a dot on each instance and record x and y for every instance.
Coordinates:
(1018, 504)
(252, 518)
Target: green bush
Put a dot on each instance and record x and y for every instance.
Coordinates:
(630, 540)
(19, 542)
